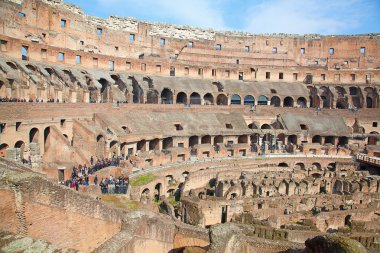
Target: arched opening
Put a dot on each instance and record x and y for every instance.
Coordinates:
(195, 98)
(252, 126)
(292, 139)
(317, 139)
(157, 191)
(154, 144)
(243, 139)
(105, 91)
(100, 145)
(301, 102)
(275, 101)
(371, 98)
(331, 166)
(193, 140)
(265, 126)
(12, 65)
(206, 139)
(145, 193)
(281, 137)
(235, 100)
(300, 166)
(369, 102)
(3, 149)
(34, 135)
(249, 100)
(342, 100)
(113, 148)
(21, 146)
(218, 140)
(208, 99)
(316, 166)
(167, 143)
(46, 138)
(288, 102)
(263, 100)
(283, 164)
(355, 94)
(348, 220)
(221, 99)
(123, 149)
(141, 145)
(372, 140)
(181, 98)
(166, 96)
(138, 92)
(152, 96)
(342, 140)
(330, 139)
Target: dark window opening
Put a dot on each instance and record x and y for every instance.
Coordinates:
(241, 76)
(18, 125)
(267, 75)
(63, 122)
(24, 53)
(162, 42)
(61, 56)
(218, 47)
(362, 50)
(229, 126)
(132, 37)
(303, 51)
(374, 124)
(63, 23)
(190, 44)
(274, 50)
(172, 71)
(281, 76)
(213, 72)
(331, 51)
(246, 49)
(178, 127)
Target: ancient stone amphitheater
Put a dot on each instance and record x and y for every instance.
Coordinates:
(119, 135)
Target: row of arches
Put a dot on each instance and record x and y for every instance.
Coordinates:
(167, 97)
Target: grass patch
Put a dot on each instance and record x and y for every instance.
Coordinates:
(142, 180)
(120, 202)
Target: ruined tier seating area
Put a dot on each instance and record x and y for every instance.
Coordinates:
(119, 135)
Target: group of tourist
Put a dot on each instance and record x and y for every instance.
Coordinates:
(30, 100)
(80, 176)
(113, 185)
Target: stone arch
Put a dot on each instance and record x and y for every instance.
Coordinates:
(221, 99)
(283, 164)
(338, 187)
(263, 100)
(317, 139)
(235, 99)
(181, 98)
(372, 140)
(157, 191)
(288, 102)
(206, 139)
(356, 96)
(167, 143)
(208, 99)
(330, 139)
(316, 166)
(372, 97)
(265, 126)
(275, 101)
(12, 65)
(141, 145)
(292, 139)
(34, 135)
(218, 140)
(137, 92)
(152, 96)
(302, 102)
(154, 144)
(21, 146)
(100, 145)
(193, 140)
(327, 97)
(249, 100)
(342, 100)
(252, 126)
(46, 138)
(300, 165)
(195, 98)
(3, 149)
(113, 147)
(342, 140)
(166, 96)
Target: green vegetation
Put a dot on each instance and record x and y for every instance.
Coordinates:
(142, 180)
(120, 202)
